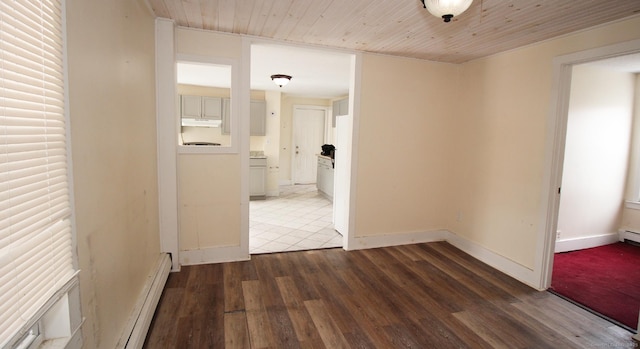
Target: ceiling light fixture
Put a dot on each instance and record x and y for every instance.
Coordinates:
(446, 9)
(280, 79)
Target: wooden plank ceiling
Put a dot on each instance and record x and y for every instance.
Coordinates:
(398, 27)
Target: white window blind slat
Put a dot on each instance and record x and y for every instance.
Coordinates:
(35, 234)
(28, 68)
(35, 217)
(33, 190)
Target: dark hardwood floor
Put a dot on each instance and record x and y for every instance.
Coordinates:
(414, 296)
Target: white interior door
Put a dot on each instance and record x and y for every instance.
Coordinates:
(308, 138)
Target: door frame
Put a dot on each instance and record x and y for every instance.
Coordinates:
(555, 147)
(293, 128)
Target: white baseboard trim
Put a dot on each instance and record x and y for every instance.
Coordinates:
(581, 243)
(214, 255)
(501, 263)
(138, 325)
(365, 242)
(628, 235)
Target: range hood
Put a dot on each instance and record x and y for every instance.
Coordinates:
(201, 122)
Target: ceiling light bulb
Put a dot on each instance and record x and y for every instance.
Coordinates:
(280, 79)
(446, 9)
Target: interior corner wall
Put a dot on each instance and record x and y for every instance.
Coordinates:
(113, 136)
(404, 145)
(596, 152)
(501, 134)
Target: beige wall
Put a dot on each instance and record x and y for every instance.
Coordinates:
(286, 129)
(596, 152)
(500, 131)
(208, 191)
(112, 108)
(208, 184)
(404, 150)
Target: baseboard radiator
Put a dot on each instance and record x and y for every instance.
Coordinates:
(138, 325)
(630, 235)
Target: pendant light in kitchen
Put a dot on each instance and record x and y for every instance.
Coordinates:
(280, 79)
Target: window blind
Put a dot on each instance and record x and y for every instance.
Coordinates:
(35, 224)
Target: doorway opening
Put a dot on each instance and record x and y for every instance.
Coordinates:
(297, 212)
(591, 133)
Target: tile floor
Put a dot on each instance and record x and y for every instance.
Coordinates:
(299, 219)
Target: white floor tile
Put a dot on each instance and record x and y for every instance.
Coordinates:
(299, 219)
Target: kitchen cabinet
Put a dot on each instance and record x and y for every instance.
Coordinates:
(212, 108)
(324, 179)
(257, 117)
(340, 107)
(201, 108)
(226, 116)
(257, 178)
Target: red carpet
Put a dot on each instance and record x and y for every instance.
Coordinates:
(605, 279)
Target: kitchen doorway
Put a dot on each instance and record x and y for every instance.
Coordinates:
(301, 217)
(294, 210)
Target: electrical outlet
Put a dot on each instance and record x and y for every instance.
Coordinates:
(459, 216)
(558, 234)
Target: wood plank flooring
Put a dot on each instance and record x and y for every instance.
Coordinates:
(415, 296)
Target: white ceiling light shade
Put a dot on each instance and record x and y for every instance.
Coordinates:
(280, 79)
(446, 9)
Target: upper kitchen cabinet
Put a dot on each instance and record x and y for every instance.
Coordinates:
(191, 106)
(258, 123)
(340, 107)
(198, 109)
(226, 116)
(258, 117)
(212, 108)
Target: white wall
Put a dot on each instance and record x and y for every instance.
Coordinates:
(596, 152)
(631, 213)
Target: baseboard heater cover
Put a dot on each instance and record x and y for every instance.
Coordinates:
(631, 235)
(136, 331)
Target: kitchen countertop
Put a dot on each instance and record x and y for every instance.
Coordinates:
(257, 154)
